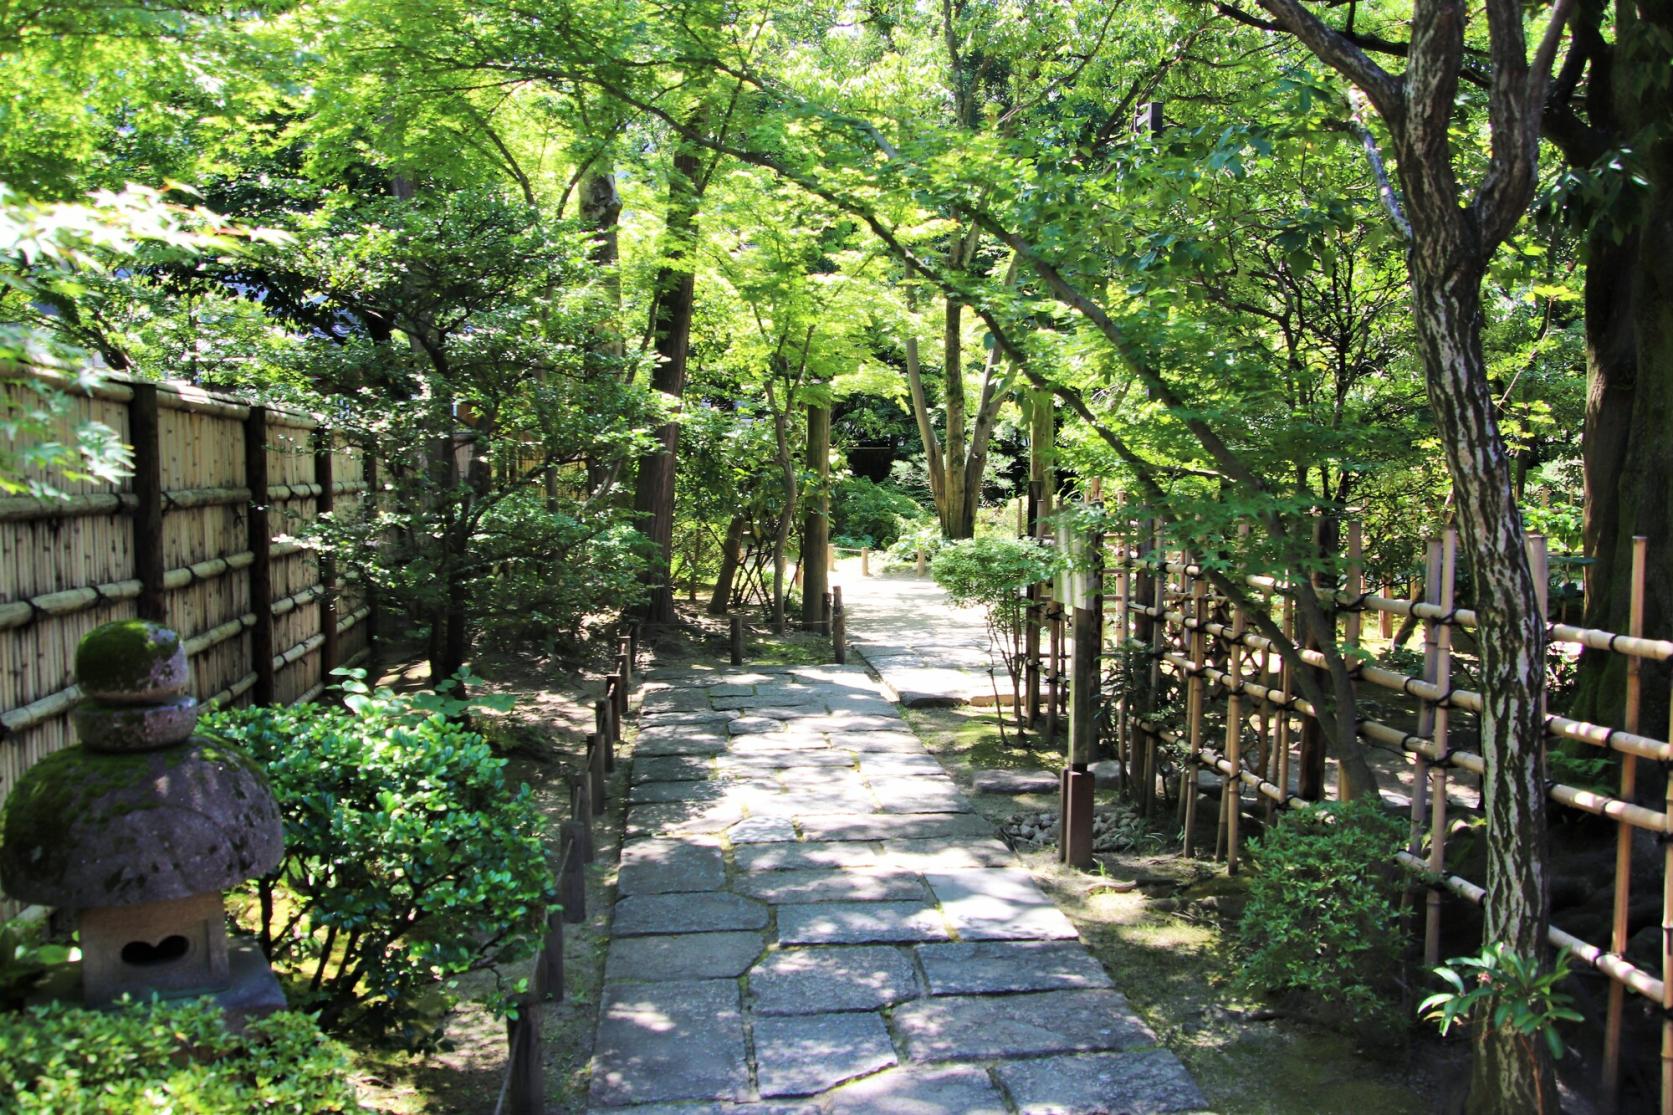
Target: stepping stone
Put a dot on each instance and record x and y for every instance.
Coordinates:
(800, 1056)
(680, 1040)
(998, 904)
(778, 756)
(677, 742)
(753, 725)
(673, 719)
(808, 981)
(682, 956)
(1015, 782)
(766, 704)
(857, 722)
(662, 701)
(888, 826)
(762, 830)
(916, 794)
(728, 685)
(943, 854)
(799, 803)
(647, 793)
(916, 1090)
(798, 856)
(1145, 1083)
(729, 691)
(833, 885)
(682, 817)
(875, 764)
(667, 866)
(999, 967)
(671, 768)
(980, 1028)
(897, 741)
(859, 923)
(711, 912)
(861, 704)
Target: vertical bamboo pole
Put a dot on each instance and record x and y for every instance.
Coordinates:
(1158, 639)
(1231, 795)
(1623, 832)
(1667, 940)
(325, 504)
(258, 536)
(144, 431)
(1125, 753)
(1075, 818)
(1430, 593)
(865, 561)
(825, 606)
(1281, 733)
(1054, 621)
(1437, 773)
(1193, 703)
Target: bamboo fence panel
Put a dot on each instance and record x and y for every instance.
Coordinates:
(69, 565)
(1208, 644)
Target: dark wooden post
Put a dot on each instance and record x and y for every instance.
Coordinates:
(551, 957)
(1075, 843)
(572, 877)
(737, 640)
(581, 811)
(325, 504)
(1054, 625)
(525, 1085)
(825, 605)
(369, 509)
(595, 768)
(144, 432)
(624, 659)
(633, 643)
(839, 627)
(614, 694)
(258, 536)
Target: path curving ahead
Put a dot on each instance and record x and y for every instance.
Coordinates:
(811, 918)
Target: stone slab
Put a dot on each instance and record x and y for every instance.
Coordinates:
(701, 719)
(898, 742)
(762, 830)
(980, 1028)
(1015, 782)
(681, 817)
(1002, 967)
(773, 700)
(666, 866)
(671, 768)
(998, 903)
(678, 743)
(893, 826)
(831, 978)
(875, 764)
(806, 854)
(682, 956)
(662, 1042)
(777, 757)
(948, 854)
(646, 793)
(917, 794)
(859, 923)
(920, 1090)
(828, 884)
(712, 912)
(803, 1055)
(754, 725)
(852, 722)
(1147, 1083)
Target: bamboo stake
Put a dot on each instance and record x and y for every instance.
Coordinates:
(1231, 792)
(1437, 773)
(1623, 834)
(1667, 941)
(1193, 711)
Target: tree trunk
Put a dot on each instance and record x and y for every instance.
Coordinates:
(816, 517)
(731, 551)
(953, 502)
(601, 210)
(653, 497)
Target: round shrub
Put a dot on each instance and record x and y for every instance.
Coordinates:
(408, 860)
(175, 1057)
(1323, 911)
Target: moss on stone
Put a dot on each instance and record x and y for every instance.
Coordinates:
(125, 657)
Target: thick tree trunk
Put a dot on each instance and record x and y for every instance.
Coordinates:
(731, 551)
(953, 501)
(816, 517)
(653, 497)
(601, 210)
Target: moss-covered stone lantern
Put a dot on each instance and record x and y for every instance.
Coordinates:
(140, 829)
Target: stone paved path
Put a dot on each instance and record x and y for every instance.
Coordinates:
(927, 651)
(810, 918)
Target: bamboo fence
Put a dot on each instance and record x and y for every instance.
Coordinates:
(203, 537)
(1208, 646)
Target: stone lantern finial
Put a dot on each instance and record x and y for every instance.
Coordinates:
(142, 826)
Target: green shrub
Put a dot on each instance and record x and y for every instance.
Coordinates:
(1322, 915)
(868, 514)
(408, 860)
(992, 573)
(168, 1057)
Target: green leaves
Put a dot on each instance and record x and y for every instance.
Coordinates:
(1506, 991)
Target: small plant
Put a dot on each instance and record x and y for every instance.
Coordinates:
(153, 1057)
(1322, 915)
(26, 960)
(1507, 992)
(408, 860)
(993, 573)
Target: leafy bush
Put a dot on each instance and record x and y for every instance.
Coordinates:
(407, 858)
(26, 959)
(1322, 914)
(868, 514)
(992, 573)
(925, 536)
(175, 1057)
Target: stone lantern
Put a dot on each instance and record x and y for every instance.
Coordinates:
(140, 829)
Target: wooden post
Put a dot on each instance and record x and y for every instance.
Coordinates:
(144, 432)
(595, 768)
(369, 470)
(581, 811)
(572, 877)
(1623, 831)
(1667, 940)
(633, 644)
(825, 606)
(258, 538)
(525, 1083)
(737, 625)
(1154, 636)
(613, 697)
(865, 561)
(923, 563)
(1054, 624)
(1231, 792)
(839, 627)
(1281, 732)
(624, 660)
(551, 957)
(1188, 789)
(1437, 772)
(325, 504)
(1075, 818)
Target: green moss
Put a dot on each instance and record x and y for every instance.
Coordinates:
(124, 656)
